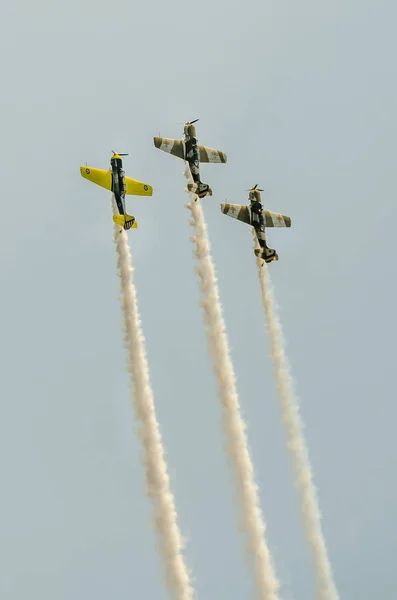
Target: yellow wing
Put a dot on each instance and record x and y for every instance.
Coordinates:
(98, 176)
(137, 188)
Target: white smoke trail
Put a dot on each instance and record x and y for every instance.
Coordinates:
(266, 580)
(296, 444)
(158, 483)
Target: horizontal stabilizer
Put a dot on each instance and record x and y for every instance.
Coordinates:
(200, 189)
(137, 188)
(98, 176)
(210, 155)
(267, 254)
(126, 221)
(174, 147)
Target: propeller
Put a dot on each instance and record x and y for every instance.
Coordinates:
(119, 153)
(254, 188)
(188, 122)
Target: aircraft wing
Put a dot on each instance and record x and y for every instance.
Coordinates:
(175, 147)
(137, 188)
(243, 213)
(210, 155)
(273, 219)
(98, 176)
(237, 211)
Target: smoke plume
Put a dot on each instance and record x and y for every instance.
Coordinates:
(158, 484)
(311, 516)
(266, 581)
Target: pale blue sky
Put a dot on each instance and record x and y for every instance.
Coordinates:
(301, 96)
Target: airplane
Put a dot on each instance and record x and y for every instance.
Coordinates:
(255, 215)
(115, 181)
(188, 149)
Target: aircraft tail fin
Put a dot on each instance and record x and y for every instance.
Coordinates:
(266, 253)
(200, 188)
(126, 221)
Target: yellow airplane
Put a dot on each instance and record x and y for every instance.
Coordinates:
(115, 181)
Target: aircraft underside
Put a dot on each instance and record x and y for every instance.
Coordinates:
(193, 157)
(118, 184)
(255, 216)
(264, 252)
(188, 150)
(115, 180)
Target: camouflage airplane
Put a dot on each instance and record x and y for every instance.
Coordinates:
(188, 149)
(258, 218)
(115, 181)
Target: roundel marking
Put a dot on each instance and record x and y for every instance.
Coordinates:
(87, 171)
(145, 187)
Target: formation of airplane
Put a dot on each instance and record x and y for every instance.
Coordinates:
(259, 219)
(188, 150)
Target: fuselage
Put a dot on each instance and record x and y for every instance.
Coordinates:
(192, 152)
(118, 182)
(258, 222)
(257, 218)
(192, 155)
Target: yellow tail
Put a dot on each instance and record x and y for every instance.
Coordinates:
(126, 221)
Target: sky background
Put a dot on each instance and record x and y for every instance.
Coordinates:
(301, 96)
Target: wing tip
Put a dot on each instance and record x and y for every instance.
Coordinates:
(86, 172)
